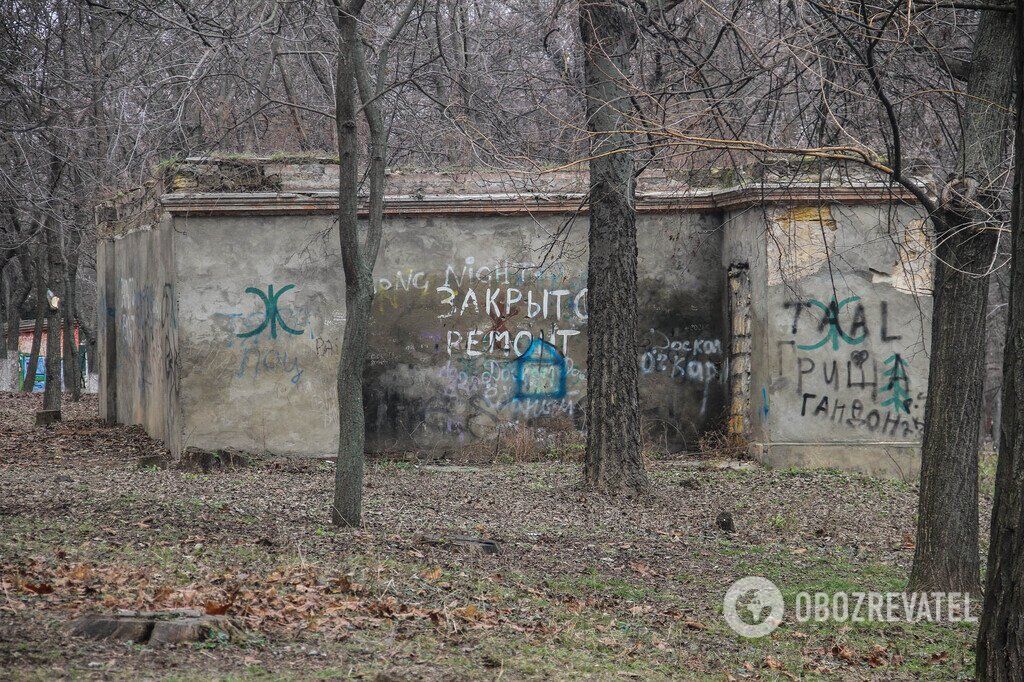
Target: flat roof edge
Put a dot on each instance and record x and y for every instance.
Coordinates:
(325, 201)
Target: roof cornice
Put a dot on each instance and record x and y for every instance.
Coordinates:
(694, 201)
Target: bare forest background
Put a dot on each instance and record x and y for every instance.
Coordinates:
(95, 96)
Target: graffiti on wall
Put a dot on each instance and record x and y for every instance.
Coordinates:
(249, 353)
(838, 378)
(540, 372)
(489, 297)
(694, 359)
(504, 338)
(271, 312)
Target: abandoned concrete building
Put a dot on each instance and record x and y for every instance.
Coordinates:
(790, 315)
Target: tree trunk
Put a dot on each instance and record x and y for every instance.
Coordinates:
(37, 332)
(14, 324)
(55, 271)
(348, 477)
(946, 551)
(1000, 650)
(72, 366)
(7, 363)
(614, 461)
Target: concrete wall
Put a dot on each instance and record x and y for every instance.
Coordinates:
(225, 330)
(137, 331)
(841, 329)
(461, 300)
(261, 309)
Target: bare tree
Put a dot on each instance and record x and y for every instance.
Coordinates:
(855, 82)
(946, 555)
(359, 254)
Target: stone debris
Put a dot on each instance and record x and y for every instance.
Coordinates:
(157, 628)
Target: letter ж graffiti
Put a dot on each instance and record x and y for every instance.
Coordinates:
(835, 332)
(272, 314)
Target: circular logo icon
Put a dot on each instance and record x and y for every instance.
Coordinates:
(753, 606)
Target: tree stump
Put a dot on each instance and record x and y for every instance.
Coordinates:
(47, 417)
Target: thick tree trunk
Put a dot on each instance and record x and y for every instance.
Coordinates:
(1000, 650)
(614, 461)
(37, 332)
(348, 480)
(946, 552)
(55, 269)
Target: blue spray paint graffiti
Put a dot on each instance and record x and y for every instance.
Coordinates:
(272, 315)
(898, 387)
(540, 372)
(831, 322)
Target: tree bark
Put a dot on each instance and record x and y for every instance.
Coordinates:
(946, 551)
(946, 556)
(16, 299)
(37, 332)
(348, 478)
(1000, 650)
(52, 392)
(358, 258)
(72, 367)
(613, 461)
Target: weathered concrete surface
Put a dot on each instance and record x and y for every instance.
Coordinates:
(840, 332)
(106, 331)
(137, 331)
(460, 303)
(224, 323)
(261, 310)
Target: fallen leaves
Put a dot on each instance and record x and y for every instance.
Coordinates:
(214, 608)
(295, 598)
(38, 588)
(256, 545)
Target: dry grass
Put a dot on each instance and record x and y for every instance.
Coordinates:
(583, 586)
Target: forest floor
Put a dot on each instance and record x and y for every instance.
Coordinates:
(580, 587)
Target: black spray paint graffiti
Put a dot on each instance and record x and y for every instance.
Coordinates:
(824, 383)
(876, 421)
(855, 373)
(831, 326)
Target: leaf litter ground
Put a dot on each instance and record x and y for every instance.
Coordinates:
(582, 586)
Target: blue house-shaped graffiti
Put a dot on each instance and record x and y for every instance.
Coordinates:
(540, 372)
